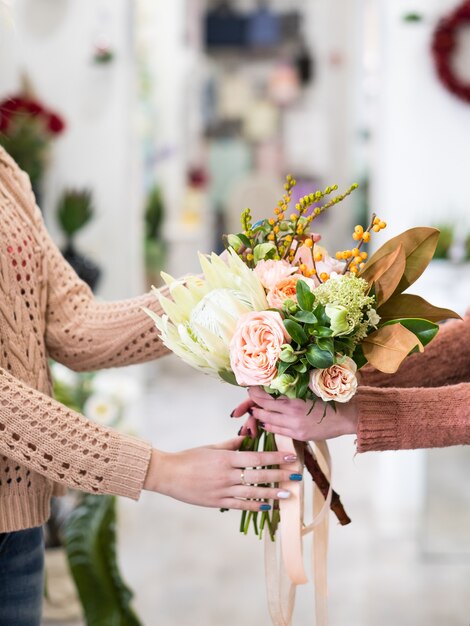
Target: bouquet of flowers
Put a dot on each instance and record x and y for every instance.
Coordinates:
(277, 310)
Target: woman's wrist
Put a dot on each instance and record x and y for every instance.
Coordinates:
(350, 414)
(156, 471)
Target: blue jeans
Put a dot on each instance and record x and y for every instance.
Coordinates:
(21, 577)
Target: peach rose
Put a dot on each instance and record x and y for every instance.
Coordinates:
(256, 346)
(338, 382)
(285, 289)
(272, 272)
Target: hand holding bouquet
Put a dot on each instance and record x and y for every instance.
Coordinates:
(278, 311)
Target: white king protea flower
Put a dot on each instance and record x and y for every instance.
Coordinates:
(201, 316)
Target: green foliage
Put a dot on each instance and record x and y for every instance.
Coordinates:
(313, 343)
(90, 539)
(444, 243)
(28, 144)
(74, 211)
(154, 214)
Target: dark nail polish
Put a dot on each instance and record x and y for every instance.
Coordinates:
(232, 413)
(297, 477)
(250, 434)
(240, 431)
(250, 412)
(265, 507)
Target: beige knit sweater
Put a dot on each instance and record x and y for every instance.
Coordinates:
(46, 311)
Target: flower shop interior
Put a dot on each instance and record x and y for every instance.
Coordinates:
(147, 128)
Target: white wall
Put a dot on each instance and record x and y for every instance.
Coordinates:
(423, 131)
(53, 42)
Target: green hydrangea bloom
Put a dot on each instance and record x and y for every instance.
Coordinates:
(350, 292)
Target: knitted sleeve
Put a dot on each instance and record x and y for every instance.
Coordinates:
(86, 334)
(62, 445)
(401, 419)
(426, 404)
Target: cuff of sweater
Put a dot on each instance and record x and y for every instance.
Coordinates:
(377, 427)
(130, 468)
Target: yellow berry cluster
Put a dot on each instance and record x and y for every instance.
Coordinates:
(378, 225)
(360, 234)
(308, 273)
(355, 258)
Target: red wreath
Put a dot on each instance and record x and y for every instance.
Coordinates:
(444, 47)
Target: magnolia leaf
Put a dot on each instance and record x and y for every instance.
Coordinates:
(386, 273)
(423, 329)
(419, 244)
(389, 346)
(407, 305)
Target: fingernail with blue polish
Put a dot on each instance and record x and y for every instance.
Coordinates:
(265, 507)
(296, 477)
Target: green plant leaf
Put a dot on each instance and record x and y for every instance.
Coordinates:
(90, 542)
(302, 386)
(419, 244)
(407, 305)
(307, 317)
(228, 377)
(283, 367)
(358, 357)
(321, 359)
(305, 297)
(423, 329)
(295, 331)
(323, 331)
(263, 251)
(326, 343)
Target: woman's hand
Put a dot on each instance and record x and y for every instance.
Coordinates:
(296, 418)
(220, 476)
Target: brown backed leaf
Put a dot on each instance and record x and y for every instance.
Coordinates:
(386, 273)
(389, 346)
(408, 305)
(419, 244)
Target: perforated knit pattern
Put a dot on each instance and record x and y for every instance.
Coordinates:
(46, 311)
(426, 404)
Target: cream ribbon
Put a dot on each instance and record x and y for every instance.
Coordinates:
(285, 573)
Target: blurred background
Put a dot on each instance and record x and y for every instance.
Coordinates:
(146, 128)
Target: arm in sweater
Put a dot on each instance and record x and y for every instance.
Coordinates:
(81, 332)
(62, 445)
(403, 419)
(426, 404)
